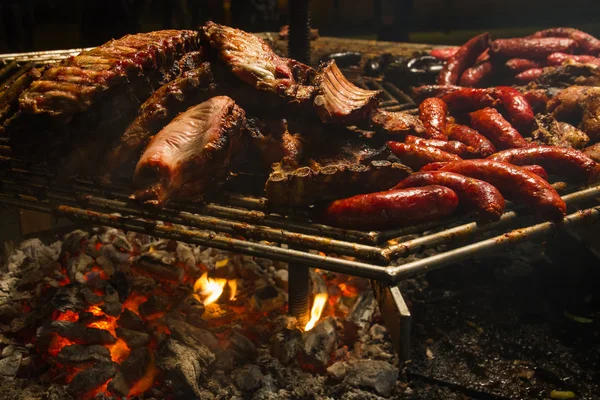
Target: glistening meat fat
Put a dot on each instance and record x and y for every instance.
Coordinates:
(191, 154)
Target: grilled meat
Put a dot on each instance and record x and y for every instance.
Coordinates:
(579, 103)
(339, 101)
(571, 74)
(191, 154)
(191, 88)
(552, 132)
(254, 62)
(9, 98)
(93, 96)
(397, 123)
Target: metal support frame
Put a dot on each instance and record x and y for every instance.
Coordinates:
(396, 316)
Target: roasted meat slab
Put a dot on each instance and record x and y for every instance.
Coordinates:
(94, 94)
(191, 88)
(191, 154)
(252, 60)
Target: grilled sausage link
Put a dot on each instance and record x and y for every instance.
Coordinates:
(417, 156)
(560, 58)
(478, 75)
(470, 99)
(529, 75)
(561, 161)
(517, 65)
(444, 53)
(499, 131)
(514, 183)
(517, 107)
(463, 59)
(472, 193)
(531, 47)
(536, 169)
(393, 208)
(462, 133)
(587, 43)
(433, 113)
(451, 146)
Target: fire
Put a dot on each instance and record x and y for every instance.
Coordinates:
(210, 288)
(317, 308)
(232, 283)
(145, 381)
(119, 351)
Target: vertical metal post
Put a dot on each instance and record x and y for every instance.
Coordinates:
(299, 36)
(298, 295)
(299, 49)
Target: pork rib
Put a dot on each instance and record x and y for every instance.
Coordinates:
(191, 88)
(191, 154)
(252, 60)
(339, 101)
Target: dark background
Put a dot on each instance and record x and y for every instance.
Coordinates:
(42, 25)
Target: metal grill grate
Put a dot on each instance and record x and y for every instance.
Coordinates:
(249, 225)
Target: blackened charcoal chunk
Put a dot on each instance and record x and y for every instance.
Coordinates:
(9, 366)
(134, 367)
(248, 379)
(79, 333)
(119, 281)
(373, 374)
(92, 378)
(118, 385)
(80, 355)
(161, 264)
(243, 347)
(77, 266)
(68, 298)
(153, 305)
(130, 320)
(318, 344)
(286, 344)
(36, 250)
(133, 338)
(74, 242)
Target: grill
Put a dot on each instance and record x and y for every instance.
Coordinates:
(247, 224)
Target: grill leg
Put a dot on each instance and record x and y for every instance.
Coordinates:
(298, 296)
(396, 316)
(299, 36)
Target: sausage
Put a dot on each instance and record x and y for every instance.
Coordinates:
(417, 156)
(537, 99)
(529, 75)
(463, 59)
(564, 162)
(517, 65)
(491, 124)
(514, 183)
(444, 53)
(462, 133)
(587, 43)
(433, 113)
(470, 99)
(518, 109)
(472, 193)
(536, 169)
(451, 146)
(434, 166)
(531, 47)
(560, 58)
(393, 208)
(420, 93)
(478, 75)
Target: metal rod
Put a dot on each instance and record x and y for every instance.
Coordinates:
(299, 36)
(298, 293)
(434, 262)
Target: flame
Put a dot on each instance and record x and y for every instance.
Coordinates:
(119, 351)
(145, 381)
(210, 288)
(68, 315)
(232, 283)
(317, 308)
(134, 301)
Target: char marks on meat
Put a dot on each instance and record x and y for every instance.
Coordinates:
(252, 60)
(191, 88)
(391, 122)
(339, 101)
(191, 154)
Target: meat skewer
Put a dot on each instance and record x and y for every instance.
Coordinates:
(191, 154)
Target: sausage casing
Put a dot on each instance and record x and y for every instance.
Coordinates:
(462, 133)
(531, 47)
(472, 193)
(470, 99)
(451, 146)
(514, 183)
(529, 75)
(464, 57)
(417, 156)
(477, 75)
(444, 53)
(517, 107)
(517, 65)
(560, 58)
(561, 161)
(393, 208)
(433, 112)
(587, 43)
(490, 123)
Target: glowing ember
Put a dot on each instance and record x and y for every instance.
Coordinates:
(134, 301)
(119, 351)
(317, 308)
(145, 381)
(211, 289)
(232, 283)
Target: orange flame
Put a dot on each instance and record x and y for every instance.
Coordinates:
(232, 283)
(317, 308)
(145, 381)
(211, 289)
